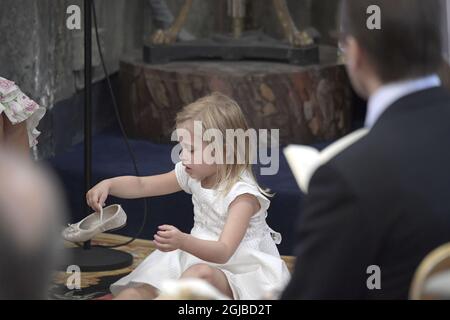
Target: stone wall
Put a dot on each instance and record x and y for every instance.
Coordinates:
(39, 52)
(42, 56)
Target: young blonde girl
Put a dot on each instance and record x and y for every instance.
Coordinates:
(230, 245)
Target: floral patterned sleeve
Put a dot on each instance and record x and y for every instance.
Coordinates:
(18, 108)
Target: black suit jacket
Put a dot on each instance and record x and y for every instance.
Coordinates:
(384, 201)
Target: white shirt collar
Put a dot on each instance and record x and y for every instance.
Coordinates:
(386, 95)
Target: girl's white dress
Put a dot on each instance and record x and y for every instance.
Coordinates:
(256, 267)
(18, 108)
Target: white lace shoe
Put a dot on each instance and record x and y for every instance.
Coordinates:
(109, 219)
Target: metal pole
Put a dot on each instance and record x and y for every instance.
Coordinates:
(446, 21)
(87, 101)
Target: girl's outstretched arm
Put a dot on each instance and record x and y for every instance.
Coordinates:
(240, 212)
(132, 188)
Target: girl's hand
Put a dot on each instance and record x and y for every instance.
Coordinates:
(96, 197)
(169, 238)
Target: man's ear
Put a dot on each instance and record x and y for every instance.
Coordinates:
(354, 53)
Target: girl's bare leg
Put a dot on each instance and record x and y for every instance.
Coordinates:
(16, 136)
(144, 292)
(212, 275)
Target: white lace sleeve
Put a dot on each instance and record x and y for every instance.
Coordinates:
(244, 188)
(182, 177)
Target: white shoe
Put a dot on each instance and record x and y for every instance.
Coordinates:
(109, 219)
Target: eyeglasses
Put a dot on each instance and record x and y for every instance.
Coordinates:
(342, 46)
(342, 42)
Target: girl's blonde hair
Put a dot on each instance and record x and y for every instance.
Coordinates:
(218, 111)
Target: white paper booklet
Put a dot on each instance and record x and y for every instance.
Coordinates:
(305, 160)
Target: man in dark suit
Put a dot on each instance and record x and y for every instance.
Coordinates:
(380, 206)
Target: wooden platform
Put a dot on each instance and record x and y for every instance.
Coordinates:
(307, 104)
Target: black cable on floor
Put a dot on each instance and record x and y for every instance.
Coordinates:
(124, 134)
